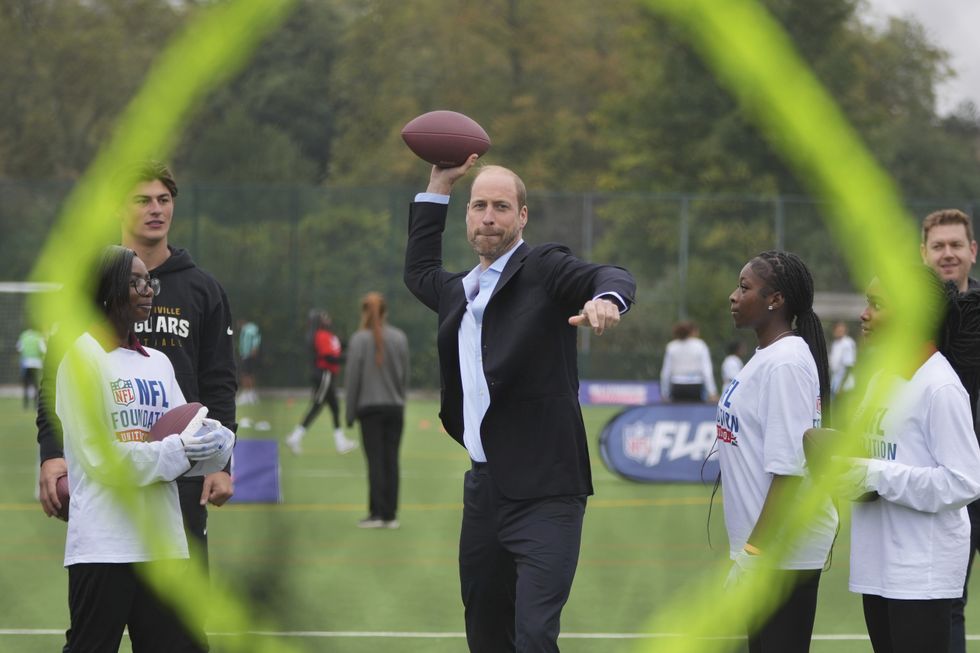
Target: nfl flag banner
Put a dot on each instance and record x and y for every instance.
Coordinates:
(662, 443)
(621, 393)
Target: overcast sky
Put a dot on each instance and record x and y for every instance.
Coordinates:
(955, 24)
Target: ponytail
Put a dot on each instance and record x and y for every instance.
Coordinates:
(789, 275)
(373, 312)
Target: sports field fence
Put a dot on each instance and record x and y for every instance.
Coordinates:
(280, 251)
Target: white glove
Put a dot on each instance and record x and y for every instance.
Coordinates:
(201, 445)
(743, 563)
(224, 435)
(852, 482)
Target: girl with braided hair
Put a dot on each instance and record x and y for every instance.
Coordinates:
(910, 546)
(762, 416)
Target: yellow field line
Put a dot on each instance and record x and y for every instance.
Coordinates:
(420, 507)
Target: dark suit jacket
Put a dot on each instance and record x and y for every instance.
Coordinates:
(533, 432)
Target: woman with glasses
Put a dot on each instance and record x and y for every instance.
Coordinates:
(110, 390)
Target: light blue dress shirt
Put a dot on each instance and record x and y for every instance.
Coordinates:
(478, 286)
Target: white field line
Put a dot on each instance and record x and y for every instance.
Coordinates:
(9, 632)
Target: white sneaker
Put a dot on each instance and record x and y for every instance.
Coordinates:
(392, 524)
(295, 439)
(371, 522)
(244, 423)
(263, 426)
(342, 442)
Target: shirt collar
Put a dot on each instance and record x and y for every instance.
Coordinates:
(471, 281)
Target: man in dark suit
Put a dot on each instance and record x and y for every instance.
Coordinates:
(507, 357)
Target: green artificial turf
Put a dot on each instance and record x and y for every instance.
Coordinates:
(318, 583)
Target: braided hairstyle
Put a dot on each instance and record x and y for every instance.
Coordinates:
(785, 272)
(115, 270)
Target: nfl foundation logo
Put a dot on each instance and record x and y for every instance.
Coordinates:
(122, 392)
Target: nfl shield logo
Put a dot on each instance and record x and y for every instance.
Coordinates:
(636, 441)
(122, 391)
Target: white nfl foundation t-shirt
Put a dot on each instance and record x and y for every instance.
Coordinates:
(913, 542)
(761, 418)
(137, 389)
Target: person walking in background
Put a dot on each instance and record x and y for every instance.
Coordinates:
(377, 379)
(761, 420)
(249, 346)
(31, 348)
(687, 373)
(327, 356)
(508, 363)
(948, 248)
(191, 323)
(733, 362)
(910, 545)
(105, 553)
(843, 357)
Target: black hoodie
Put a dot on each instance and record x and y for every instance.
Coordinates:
(191, 324)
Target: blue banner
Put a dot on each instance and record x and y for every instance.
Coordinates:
(618, 393)
(662, 443)
(255, 468)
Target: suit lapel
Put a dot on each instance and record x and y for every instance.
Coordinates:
(515, 263)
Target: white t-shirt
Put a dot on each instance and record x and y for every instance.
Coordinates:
(687, 361)
(729, 368)
(913, 542)
(761, 419)
(136, 389)
(842, 357)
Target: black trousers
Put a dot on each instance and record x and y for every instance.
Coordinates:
(683, 392)
(790, 627)
(517, 560)
(907, 626)
(957, 639)
(189, 489)
(105, 598)
(28, 377)
(324, 392)
(381, 430)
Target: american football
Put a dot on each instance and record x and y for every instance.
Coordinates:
(61, 486)
(445, 138)
(176, 420)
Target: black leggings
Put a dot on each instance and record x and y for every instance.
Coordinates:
(789, 628)
(324, 392)
(907, 625)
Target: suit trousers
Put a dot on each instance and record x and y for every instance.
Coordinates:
(517, 560)
(381, 429)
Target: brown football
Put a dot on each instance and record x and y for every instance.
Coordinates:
(445, 138)
(174, 420)
(61, 486)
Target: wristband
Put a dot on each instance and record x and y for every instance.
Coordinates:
(751, 549)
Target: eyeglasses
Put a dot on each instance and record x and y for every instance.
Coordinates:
(142, 284)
